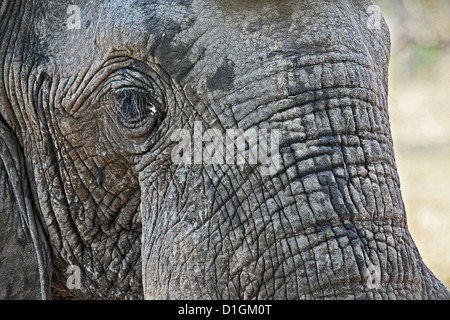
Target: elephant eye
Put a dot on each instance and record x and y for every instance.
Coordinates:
(137, 111)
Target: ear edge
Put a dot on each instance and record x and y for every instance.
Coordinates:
(26, 266)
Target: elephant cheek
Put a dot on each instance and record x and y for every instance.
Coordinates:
(173, 236)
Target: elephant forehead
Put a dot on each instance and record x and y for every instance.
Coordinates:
(207, 34)
(177, 34)
(87, 34)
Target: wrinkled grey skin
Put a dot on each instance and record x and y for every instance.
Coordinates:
(83, 189)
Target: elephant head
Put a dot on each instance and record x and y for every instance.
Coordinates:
(201, 150)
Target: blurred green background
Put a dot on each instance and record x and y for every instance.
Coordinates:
(419, 107)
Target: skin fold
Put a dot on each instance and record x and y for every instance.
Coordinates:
(92, 112)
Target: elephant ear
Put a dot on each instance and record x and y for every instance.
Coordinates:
(25, 263)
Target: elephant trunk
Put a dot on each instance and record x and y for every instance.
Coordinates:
(328, 223)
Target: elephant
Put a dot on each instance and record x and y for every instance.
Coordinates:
(116, 119)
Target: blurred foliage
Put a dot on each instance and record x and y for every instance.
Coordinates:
(420, 31)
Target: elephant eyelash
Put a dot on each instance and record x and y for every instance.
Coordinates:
(135, 106)
(137, 112)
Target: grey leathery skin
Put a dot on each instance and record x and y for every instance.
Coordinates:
(88, 118)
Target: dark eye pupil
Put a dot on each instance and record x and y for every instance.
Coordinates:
(134, 106)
